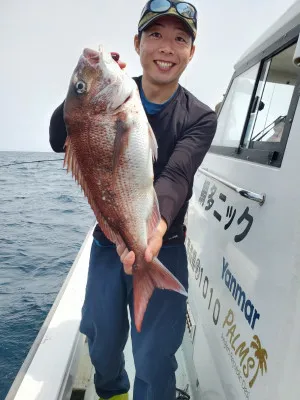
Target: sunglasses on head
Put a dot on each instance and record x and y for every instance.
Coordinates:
(184, 9)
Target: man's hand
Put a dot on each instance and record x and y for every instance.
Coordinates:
(154, 245)
(127, 258)
(116, 57)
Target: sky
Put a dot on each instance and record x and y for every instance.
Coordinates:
(41, 42)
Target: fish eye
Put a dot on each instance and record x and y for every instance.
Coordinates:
(80, 87)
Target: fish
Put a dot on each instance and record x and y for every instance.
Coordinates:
(110, 150)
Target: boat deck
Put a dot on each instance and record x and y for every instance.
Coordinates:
(84, 379)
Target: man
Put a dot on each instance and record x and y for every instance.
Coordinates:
(184, 129)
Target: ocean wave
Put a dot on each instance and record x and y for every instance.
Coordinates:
(40, 237)
(5, 241)
(65, 198)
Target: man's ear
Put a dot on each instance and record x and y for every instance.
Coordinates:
(137, 44)
(192, 52)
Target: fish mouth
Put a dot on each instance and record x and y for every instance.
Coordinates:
(99, 59)
(92, 57)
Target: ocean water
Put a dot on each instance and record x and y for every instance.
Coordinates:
(44, 219)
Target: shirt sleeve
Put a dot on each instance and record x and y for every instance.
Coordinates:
(57, 130)
(172, 187)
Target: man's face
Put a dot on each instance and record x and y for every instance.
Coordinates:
(165, 49)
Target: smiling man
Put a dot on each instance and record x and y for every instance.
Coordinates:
(184, 128)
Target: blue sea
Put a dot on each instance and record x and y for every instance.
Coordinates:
(44, 219)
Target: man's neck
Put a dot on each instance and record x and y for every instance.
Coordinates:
(158, 94)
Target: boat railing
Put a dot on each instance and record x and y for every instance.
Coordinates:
(47, 370)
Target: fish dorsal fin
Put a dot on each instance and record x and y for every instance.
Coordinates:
(153, 143)
(154, 217)
(72, 164)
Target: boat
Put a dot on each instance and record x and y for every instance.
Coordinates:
(243, 235)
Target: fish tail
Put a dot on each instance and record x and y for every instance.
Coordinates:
(145, 279)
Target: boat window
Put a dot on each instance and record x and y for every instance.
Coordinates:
(272, 99)
(233, 114)
(254, 119)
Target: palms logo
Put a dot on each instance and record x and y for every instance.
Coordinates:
(261, 355)
(247, 360)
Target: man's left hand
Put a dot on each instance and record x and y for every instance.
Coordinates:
(155, 241)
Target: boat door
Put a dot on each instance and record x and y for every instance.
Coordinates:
(243, 236)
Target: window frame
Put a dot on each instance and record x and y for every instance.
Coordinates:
(267, 153)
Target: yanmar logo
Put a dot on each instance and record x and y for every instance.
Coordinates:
(250, 312)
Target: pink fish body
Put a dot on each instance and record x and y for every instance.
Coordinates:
(110, 149)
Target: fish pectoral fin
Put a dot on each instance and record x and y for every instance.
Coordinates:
(154, 217)
(145, 279)
(153, 143)
(122, 130)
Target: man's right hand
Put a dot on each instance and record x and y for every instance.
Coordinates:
(116, 57)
